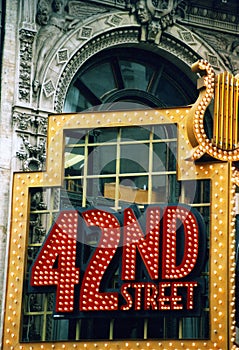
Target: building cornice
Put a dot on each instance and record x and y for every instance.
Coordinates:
(204, 22)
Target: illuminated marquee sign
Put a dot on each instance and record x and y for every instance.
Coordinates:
(149, 267)
(172, 249)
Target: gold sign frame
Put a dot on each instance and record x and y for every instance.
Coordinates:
(223, 177)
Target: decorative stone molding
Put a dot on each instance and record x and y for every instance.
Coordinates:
(213, 60)
(31, 130)
(49, 88)
(187, 37)
(55, 21)
(32, 123)
(28, 13)
(170, 43)
(26, 37)
(85, 33)
(62, 56)
(98, 33)
(214, 17)
(115, 20)
(226, 48)
(124, 36)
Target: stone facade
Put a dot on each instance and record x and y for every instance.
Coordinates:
(45, 45)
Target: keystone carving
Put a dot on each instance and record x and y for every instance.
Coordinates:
(154, 17)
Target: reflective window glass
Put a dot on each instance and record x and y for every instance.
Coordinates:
(135, 75)
(99, 79)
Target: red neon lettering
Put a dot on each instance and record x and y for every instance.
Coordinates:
(148, 246)
(169, 299)
(90, 297)
(173, 217)
(163, 301)
(138, 295)
(55, 264)
(190, 286)
(127, 296)
(150, 296)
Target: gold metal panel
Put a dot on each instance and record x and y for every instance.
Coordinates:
(222, 263)
(225, 131)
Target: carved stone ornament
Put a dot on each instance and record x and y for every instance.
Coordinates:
(226, 46)
(33, 123)
(32, 130)
(32, 156)
(26, 42)
(233, 57)
(54, 21)
(154, 17)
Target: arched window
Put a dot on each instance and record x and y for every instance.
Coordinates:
(127, 78)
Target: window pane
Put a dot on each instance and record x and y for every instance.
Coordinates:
(32, 328)
(75, 137)
(135, 133)
(168, 93)
(135, 75)
(102, 160)
(165, 131)
(74, 161)
(134, 158)
(75, 101)
(99, 79)
(103, 135)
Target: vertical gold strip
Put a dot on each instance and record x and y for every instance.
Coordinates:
(230, 113)
(225, 111)
(221, 109)
(235, 113)
(44, 331)
(216, 110)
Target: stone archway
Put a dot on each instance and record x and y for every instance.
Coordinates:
(108, 31)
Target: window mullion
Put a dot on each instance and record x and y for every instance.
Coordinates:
(84, 180)
(150, 169)
(117, 180)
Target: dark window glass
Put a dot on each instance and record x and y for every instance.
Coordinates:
(134, 77)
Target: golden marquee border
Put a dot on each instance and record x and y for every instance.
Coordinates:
(223, 178)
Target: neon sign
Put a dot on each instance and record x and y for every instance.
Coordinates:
(159, 265)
